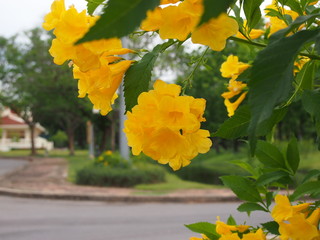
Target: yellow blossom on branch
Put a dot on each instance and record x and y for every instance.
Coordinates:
(166, 126)
(232, 67)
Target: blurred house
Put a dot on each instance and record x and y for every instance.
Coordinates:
(15, 133)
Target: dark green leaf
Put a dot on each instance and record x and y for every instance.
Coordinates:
(269, 198)
(270, 155)
(252, 12)
(306, 188)
(272, 75)
(237, 125)
(92, 5)
(272, 227)
(293, 156)
(270, 177)
(231, 221)
(213, 8)
(119, 19)
(206, 228)
(312, 174)
(138, 76)
(249, 207)
(242, 187)
(305, 77)
(311, 102)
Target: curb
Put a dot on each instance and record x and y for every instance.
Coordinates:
(113, 198)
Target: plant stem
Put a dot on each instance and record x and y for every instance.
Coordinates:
(248, 42)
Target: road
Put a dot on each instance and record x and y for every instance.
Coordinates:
(8, 165)
(38, 219)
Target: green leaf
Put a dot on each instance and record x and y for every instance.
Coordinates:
(270, 155)
(294, 25)
(92, 5)
(252, 12)
(270, 177)
(119, 19)
(237, 125)
(206, 228)
(231, 221)
(249, 207)
(272, 227)
(213, 8)
(269, 198)
(272, 75)
(138, 76)
(312, 174)
(305, 77)
(311, 102)
(293, 4)
(246, 166)
(306, 188)
(242, 187)
(293, 156)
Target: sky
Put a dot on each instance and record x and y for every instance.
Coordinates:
(21, 15)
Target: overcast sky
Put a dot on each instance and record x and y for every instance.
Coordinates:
(20, 15)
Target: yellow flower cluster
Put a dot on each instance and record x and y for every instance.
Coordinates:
(166, 126)
(296, 222)
(180, 20)
(95, 65)
(232, 68)
(231, 232)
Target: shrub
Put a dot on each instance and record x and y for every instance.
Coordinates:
(96, 175)
(110, 159)
(60, 139)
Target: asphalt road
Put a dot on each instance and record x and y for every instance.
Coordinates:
(8, 165)
(38, 219)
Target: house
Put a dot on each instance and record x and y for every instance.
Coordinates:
(15, 133)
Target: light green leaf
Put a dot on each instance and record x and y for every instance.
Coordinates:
(270, 155)
(270, 177)
(311, 102)
(206, 228)
(246, 166)
(306, 188)
(312, 174)
(119, 19)
(213, 8)
(92, 5)
(272, 75)
(293, 4)
(252, 12)
(242, 187)
(231, 221)
(249, 207)
(293, 156)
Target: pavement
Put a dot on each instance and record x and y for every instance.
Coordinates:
(47, 178)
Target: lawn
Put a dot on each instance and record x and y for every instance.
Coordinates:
(219, 162)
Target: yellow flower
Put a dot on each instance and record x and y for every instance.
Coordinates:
(297, 227)
(52, 18)
(215, 32)
(153, 21)
(232, 106)
(108, 152)
(235, 88)
(168, 1)
(300, 63)
(101, 84)
(232, 67)
(233, 236)
(224, 229)
(252, 34)
(166, 126)
(283, 209)
(258, 235)
(180, 20)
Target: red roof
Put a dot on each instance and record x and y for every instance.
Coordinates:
(7, 120)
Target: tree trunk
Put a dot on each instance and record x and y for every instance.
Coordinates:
(103, 142)
(33, 148)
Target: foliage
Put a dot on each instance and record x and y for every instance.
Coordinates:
(60, 139)
(118, 176)
(283, 74)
